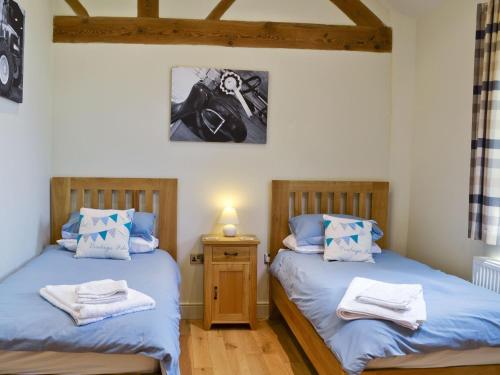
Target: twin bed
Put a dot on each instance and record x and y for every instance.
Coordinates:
(37, 338)
(460, 337)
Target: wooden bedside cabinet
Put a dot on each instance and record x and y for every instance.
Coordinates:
(230, 279)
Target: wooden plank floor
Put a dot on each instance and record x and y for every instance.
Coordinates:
(270, 349)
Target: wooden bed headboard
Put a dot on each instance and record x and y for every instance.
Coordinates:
(290, 198)
(156, 195)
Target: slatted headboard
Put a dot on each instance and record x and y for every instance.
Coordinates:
(156, 195)
(290, 198)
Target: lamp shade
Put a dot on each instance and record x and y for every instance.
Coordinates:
(229, 216)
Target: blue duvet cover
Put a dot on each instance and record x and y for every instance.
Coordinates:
(460, 315)
(29, 323)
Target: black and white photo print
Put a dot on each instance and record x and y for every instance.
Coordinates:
(218, 105)
(11, 50)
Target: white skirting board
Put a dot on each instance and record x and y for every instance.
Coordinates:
(195, 310)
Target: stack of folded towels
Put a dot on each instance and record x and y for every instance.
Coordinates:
(402, 304)
(97, 300)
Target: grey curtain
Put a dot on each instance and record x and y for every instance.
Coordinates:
(484, 193)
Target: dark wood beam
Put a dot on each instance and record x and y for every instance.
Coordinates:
(358, 12)
(220, 9)
(148, 8)
(221, 33)
(78, 8)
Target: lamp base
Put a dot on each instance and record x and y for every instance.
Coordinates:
(229, 230)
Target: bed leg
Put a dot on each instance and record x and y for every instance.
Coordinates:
(274, 312)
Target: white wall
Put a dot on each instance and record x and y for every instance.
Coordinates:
(25, 147)
(402, 123)
(329, 117)
(442, 134)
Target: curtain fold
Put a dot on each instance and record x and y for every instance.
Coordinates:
(484, 193)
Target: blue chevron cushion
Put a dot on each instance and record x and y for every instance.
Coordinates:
(104, 233)
(348, 240)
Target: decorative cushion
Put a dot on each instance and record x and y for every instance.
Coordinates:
(308, 229)
(104, 233)
(347, 239)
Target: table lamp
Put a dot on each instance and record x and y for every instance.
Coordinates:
(229, 218)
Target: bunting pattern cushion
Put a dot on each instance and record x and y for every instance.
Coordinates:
(348, 240)
(104, 233)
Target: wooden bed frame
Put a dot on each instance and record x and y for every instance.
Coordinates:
(365, 199)
(156, 195)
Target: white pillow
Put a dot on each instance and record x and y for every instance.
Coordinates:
(347, 240)
(104, 233)
(68, 244)
(290, 242)
(137, 245)
(375, 248)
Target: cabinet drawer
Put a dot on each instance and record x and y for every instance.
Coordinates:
(230, 254)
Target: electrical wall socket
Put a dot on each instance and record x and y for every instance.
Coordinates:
(267, 258)
(196, 259)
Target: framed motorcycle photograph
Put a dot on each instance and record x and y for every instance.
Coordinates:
(11, 50)
(218, 105)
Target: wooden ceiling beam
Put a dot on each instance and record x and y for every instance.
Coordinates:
(221, 33)
(220, 9)
(358, 12)
(148, 8)
(78, 8)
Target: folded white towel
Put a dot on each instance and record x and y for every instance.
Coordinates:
(64, 297)
(102, 291)
(391, 296)
(101, 300)
(350, 309)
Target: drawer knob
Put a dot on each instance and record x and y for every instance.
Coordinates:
(233, 254)
(216, 290)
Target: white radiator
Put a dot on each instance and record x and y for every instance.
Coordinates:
(486, 273)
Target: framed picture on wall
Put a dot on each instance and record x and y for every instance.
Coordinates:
(11, 50)
(218, 105)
